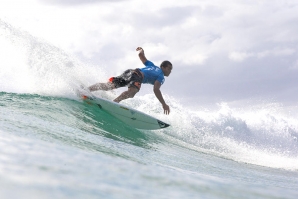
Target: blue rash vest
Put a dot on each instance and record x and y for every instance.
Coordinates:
(152, 73)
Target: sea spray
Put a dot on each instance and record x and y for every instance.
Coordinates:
(30, 65)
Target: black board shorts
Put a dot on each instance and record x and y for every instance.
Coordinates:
(130, 78)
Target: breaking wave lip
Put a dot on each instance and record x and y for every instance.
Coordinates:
(261, 135)
(257, 135)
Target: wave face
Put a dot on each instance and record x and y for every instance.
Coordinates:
(46, 130)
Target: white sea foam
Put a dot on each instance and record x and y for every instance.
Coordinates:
(259, 135)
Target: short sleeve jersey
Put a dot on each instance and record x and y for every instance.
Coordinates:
(152, 73)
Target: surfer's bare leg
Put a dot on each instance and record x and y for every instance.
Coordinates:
(130, 93)
(102, 86)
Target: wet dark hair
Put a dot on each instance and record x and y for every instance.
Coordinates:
(165, 64)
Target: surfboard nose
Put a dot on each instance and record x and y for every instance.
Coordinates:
(162, 124)
(84, 97)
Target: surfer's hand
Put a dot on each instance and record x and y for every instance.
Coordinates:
(166, 109)
(141, 54)
(139, 49)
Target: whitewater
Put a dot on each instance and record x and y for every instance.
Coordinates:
(54, 145)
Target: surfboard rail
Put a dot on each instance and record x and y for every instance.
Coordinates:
(130, 116)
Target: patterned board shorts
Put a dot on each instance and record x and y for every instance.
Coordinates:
(130, 78)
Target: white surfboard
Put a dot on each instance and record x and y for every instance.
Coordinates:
(130, 116)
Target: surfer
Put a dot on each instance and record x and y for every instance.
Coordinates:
(133, 78)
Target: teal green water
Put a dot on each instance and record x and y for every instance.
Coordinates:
(55, 147)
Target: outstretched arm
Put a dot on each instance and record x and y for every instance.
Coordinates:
(157, 92)
(141, 54)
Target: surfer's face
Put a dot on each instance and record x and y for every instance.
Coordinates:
(167, 70)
